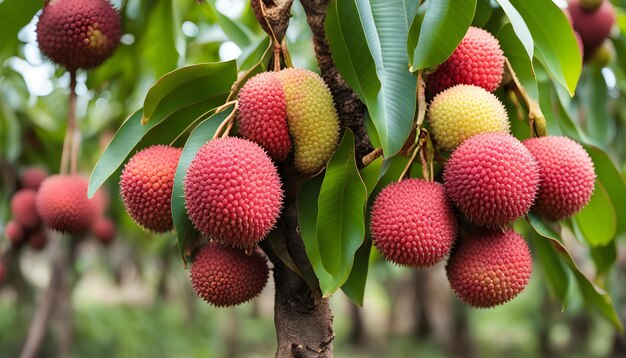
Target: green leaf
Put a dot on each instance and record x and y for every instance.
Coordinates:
(234, 30)
(386, 29)
(483, 13)
(426, 45)
(604, 258)
(519, 26)
(599, 124)
(371, 174)
(554, 38)
(518, 58)
(597, 221)
(188, 85)
(203, 133)
(158, 44)
(592, 294)
(613, 181)
(255, 54)
(15, 14)
(354, 287)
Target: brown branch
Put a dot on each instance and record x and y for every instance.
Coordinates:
(273, 15)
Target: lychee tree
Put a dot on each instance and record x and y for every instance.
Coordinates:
(472, 132)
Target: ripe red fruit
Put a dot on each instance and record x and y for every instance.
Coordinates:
(146, 186)
(32, 177)
(14, 232)
(478, 60)
(104, 230)
(63, 204)
(263, 114)
(226, 276)
(567, 176)
(78, 33)
(38, 240)
(492, 178)
(232, 192)
(593, 26)
(23, 208)
(412, 223)
(489, 268)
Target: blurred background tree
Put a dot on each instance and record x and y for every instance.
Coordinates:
(132, 297)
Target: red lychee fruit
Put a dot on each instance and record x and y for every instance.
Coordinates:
(23, 208)
(104, 230)
(226, 276)
(14, 232)
(38, 240)
(412, 223)
(478, 61)
(32, 177)
(78, 33)
(146, 186)
(63, 205)
(492, 178)
(232, 192)
(593, 26)
(567, 176)
(263, 114)
(489, 268)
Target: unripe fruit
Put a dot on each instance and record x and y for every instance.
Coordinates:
(478, 60)
(463, 111)
(232, 192)
(311, 117)
(492, 178)
(78, 33)
(263, 116)
(31, 178)
(604, 55)
(104, 230)
(23, 208)
(594, 27)
(14, 232)
(412, 223)
(226, 276)
(567, 176)
(38, 240)
(63, 205)
(489, 268)
(146, 187)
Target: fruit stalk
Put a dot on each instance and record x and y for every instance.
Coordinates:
(71, 142)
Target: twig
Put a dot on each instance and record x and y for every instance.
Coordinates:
(70, 147)
(373, 155)
(226, 125)
(536, 118)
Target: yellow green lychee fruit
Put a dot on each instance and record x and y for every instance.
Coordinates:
(311, 117)
(463, 111)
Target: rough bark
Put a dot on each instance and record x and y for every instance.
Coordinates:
(273, 15)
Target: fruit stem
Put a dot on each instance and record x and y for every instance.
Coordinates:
(536, 118)
(224, 129)
(418, 147)
(286, 54)
(373, 155)
(70, 142)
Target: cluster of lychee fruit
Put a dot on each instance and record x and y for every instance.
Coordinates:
(490, 180)
(233, 193)
(592, 21)
(56, 202)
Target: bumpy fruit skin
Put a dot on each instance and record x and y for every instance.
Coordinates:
(146, 186)
(490, 268)
(594, 27)
(38, 240)
(567, 176)
(263, 114)
(232, 192)
(14, 232)
(412, 223)
(226, 276)
(478, 60)
(23, 208)
(492, 178)
(311, 117)
(104, 230)
(463, 111)
(78, 33)
(63, 205)
(31, 178)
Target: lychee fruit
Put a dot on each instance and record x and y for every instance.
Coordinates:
(463, 111)
(146, 186)
(489, 268)
(38, 240)
(478, 60)
(104, 230)
(412, 223)
(78, 33)
(263, 116)
(603, 55)
(23, 208)
(63, 205)
(567, 176)
(492, 178)
(32, 177)
(14, 232)
(232, 192)
(226, 276)
(311, 117)
(593, 26)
